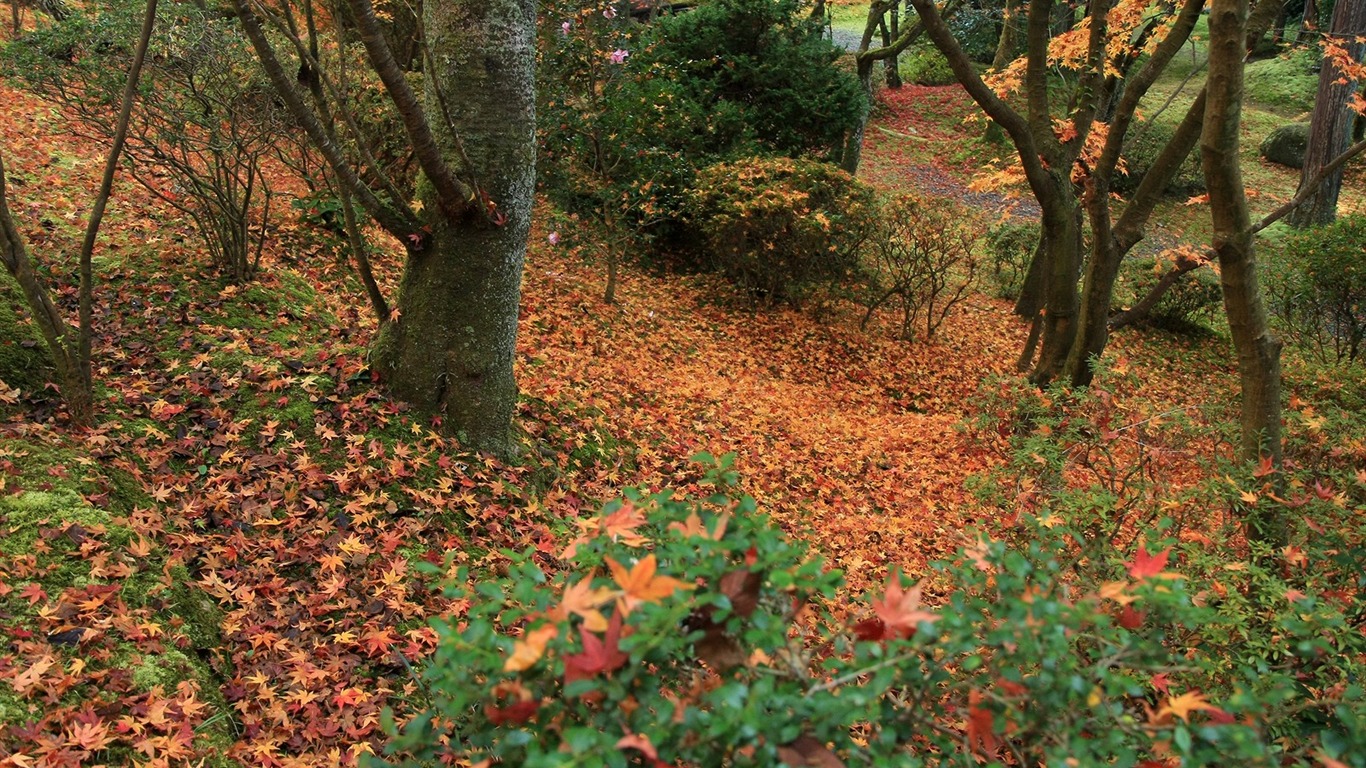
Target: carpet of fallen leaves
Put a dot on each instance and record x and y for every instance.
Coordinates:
(257, 458)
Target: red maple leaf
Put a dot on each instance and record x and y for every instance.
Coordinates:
(981, 726)
(1145, 565)
(599, 655)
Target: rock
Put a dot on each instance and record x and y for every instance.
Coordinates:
(1286, 145)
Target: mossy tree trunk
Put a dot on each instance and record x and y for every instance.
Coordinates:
(450, 350)
(1258, 351)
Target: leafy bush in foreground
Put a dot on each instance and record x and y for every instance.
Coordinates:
(688, 631)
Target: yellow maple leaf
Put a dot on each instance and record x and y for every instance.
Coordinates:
(529, 650)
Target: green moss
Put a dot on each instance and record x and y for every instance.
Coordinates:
(1287, 83)
(12, 708)
(25, 513)
(167, 670)
(170, 668)
(23, 357)
(202, 616)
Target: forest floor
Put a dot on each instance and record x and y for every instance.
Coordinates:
(243, 446)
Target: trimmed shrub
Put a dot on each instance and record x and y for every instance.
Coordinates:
(776, 227)
(1316, 286)
(1186, 306)
(1141, 149)
(1010, 248)
(925, 65)
(623, 136)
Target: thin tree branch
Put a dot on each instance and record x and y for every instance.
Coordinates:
(401, 223)
(455, 197)
(111, 164)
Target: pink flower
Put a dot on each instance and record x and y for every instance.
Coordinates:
(554, 238)
(618, 56)
(609, 12)
(564, 28)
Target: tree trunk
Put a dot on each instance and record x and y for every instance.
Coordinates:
(852, 154)
(891, 30)
(1110, 244)
(1062, 221)
(1331, 124)
(1309, 24)
(1258, 351)
(450, 352)
(1007, 45)
(59, 337)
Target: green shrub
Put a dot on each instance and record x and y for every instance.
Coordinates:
(977, 29)
(202, 126)
(1195, 298)
(1141, 148)
(925, 65)
(1010, 246)
(776, 227)
(689, 631)
(1316, 286)
(624, 139)
(1287, 82)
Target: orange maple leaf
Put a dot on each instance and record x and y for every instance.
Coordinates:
(641, 585)
(621, 524)
(1182, 706)
(900, 609)
(584, 601)
(693, 526)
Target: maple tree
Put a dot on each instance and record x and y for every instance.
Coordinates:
(466, 244)
(1070, 161)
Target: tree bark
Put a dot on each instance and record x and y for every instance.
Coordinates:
(1309, 23)
(1007, 45)
(1258, 351)
(450, 352)
(56, 333)
(891, 30)
(865, 58)
(1332, 121)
